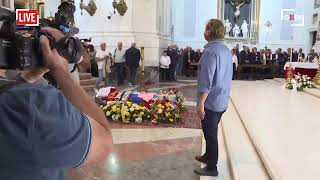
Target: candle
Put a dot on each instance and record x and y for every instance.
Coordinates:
(291, 55)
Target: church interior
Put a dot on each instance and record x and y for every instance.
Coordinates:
(270, 129)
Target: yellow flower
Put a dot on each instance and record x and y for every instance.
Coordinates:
(137, 108)
(114, 109)
(129, 103)
(160, 106)
(118, 110)
(168, 104)
(141, 113)
(127, 114)
(171, 120)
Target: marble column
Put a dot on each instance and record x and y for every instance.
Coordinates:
(316, 47)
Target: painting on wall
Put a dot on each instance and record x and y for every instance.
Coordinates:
(316, 4)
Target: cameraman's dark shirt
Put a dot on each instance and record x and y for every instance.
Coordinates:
(41, 134)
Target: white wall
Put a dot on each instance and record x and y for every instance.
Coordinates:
(189, 20)
(299, 36)
(146, 22)
(270, 10)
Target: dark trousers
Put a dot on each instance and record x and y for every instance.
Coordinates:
(133, 74)
(172, 72)
(234, 71)
(120, 68)
(164, 74)
(210, 130)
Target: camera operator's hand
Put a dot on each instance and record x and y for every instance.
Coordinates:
(52, 60)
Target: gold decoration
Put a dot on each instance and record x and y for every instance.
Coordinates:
(317, 77)
(290, 69)
(91, 8)
(142, 86)
(121, 7)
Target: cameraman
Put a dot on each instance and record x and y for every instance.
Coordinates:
(44, 131)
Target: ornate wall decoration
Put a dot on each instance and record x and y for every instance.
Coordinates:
(243, 15)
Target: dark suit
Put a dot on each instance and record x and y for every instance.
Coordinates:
(254, 58)
(301, 55)
(311, 56)
(173, 54)
(132, 59)
(188, 56)
(244, 57)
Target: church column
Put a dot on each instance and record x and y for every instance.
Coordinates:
(316, 47)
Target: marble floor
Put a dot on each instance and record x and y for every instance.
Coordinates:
(284, 126)
(268, 132)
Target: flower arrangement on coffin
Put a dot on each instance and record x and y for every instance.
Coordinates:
(301, 82)
(166, 111)
(126, 112)
(174, 95)
(167, 107)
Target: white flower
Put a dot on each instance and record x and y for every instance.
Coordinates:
(138, 120)
(131, 109)
(108, 113)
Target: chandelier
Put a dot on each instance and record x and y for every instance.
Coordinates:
(91, 8)
(120, 6)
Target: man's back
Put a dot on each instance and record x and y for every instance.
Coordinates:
(133, 56)
(216, 62)
(41, 134)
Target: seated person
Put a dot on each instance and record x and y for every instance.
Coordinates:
(269, 56)
(301, 55)
(255, 56)
(245, 55)
(312, 55)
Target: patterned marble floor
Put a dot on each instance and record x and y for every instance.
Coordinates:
(150, 154)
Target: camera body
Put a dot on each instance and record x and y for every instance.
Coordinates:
(19, 45)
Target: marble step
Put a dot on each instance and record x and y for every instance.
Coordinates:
(223, 167)
(87, 82)
(243, 156)
(85, 76)
(314, 92)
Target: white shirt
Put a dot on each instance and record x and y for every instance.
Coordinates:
(119, 56)
(235, 60)
(101, 54)
(165, 62)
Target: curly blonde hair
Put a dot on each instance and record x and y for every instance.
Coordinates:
(216, 27)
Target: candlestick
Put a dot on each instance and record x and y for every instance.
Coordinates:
(291, 54)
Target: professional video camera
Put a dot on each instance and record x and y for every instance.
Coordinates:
(19, 45)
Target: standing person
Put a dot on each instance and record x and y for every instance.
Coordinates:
(133, 56)
(165, 62)
(187, 59)
(173, 54)
(46, 131)
(120, 61)
(101, 59)
(180, 62)
(234, 62)
(93, 64)
(214, 84)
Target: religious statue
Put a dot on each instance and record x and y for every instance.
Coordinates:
(237, 4)
(236, 31)
(245, 30)
(228, 27)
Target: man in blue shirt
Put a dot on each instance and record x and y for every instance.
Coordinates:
(44, 131)
(214, 83)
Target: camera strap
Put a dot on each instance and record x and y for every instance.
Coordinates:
(5, 84)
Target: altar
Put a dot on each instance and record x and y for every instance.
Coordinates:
(309, 69)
